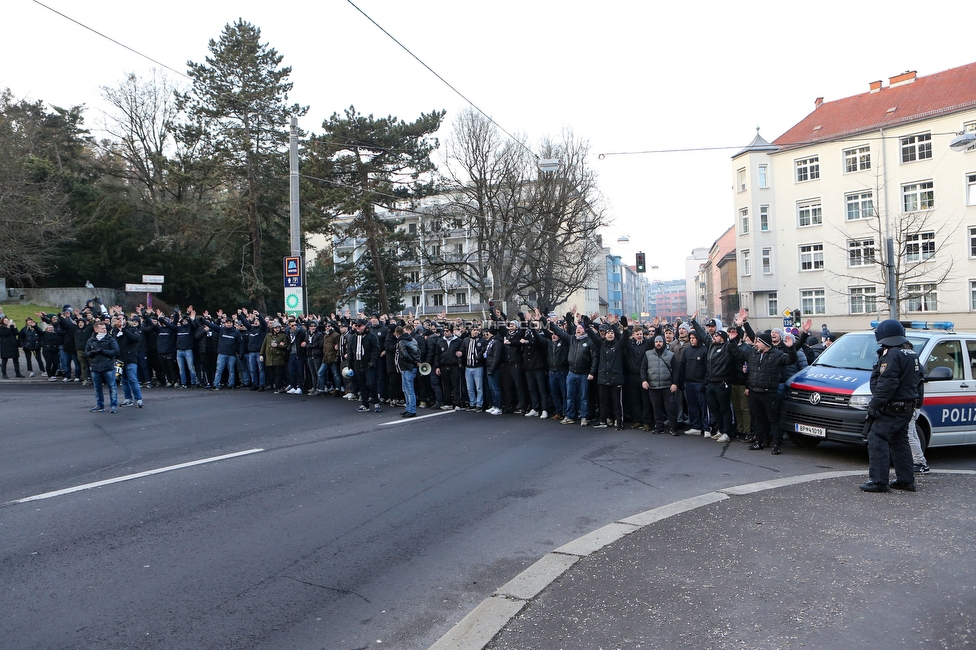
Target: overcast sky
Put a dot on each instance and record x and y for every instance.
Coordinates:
(626, 76)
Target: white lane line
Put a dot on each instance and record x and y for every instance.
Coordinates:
(129, 477)
(419, 417)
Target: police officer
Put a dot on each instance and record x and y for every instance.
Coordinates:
(895, 382)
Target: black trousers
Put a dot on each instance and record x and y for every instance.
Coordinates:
(719, 399)
(664, 403)
(513, 386)
(637, 401)
(538, 383)
(887, 443)
(765, 417)
(611, 403)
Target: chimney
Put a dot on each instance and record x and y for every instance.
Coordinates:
(817, 103)
(906, 77)
(875, 86)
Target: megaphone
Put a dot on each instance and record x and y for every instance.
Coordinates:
(347, 372)
(425, 369)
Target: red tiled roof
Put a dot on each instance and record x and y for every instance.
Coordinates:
(937, 94)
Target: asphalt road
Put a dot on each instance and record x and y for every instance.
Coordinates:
(344, 530)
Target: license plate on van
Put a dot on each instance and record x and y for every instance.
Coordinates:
(805, 429)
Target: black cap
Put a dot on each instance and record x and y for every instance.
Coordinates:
(360, 321)
(711, 323)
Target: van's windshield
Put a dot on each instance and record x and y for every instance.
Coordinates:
(856, 351)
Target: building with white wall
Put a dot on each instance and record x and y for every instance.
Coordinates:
(813, 209)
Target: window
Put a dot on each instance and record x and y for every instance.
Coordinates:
(860, 252)
(916, 147)
(808, 169)
(437, 300)
(972, 297)
(864, 300)
(947, 354)
(767, 260)
(920, 246)
(435, 250)
(970, 189)
(811, 258)
(860, 205)
(922, 297)
(812, 301)
(461, 298)
(763, 176)
(459, 249)
(772, 304)
(857, 159)
(413, 276)
(746, 262)
(917, 196)
(415, 301)
(764, 218)
(744, 221)
(740, 180)
(810, 213)
(972, 241)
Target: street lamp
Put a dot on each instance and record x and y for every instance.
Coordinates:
(964, 141)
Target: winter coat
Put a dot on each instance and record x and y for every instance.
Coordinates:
(275, 355)
(329, 343)
(9, 341)
(610, 364)
(582, 356)
(557, 353)
(691, 366)
(658, 369)
(764, 369)
(128, 339)
(407, 354)
(102, 354)
(30, 338)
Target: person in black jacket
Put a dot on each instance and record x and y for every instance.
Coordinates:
(50, 345)
(30, 343)
(719, 372)
(493, 364)
(534, 365)
(185, 342)
(10, 346)
(582, 360)
(448, 369)
(514, 391)
(364, 354)
(557, 357)
(228, 344)
(765, 364)
(473, 357)
(691, 380)
(127, 335)
(610, 376)
(740, 401)
(101, 351)
(637, 401)
(406, 358)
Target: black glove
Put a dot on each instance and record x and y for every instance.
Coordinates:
(872, 413)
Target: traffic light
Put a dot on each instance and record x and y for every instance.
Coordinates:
(641, 263)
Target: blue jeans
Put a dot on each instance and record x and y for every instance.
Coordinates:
(495, 386)
(407, 378)
(296, 371)
(577, 390)
(474, 378)
(184, 359)
(108, 377)
(230, 362)
(255, 368)
(697, 406)
(130, 382)
(557, 389)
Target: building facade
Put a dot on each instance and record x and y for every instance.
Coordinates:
(816, 209)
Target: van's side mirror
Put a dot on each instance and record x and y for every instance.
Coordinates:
(939, 373)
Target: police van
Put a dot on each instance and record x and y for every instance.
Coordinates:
(828, 399)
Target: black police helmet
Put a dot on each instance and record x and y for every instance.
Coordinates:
(891, 333)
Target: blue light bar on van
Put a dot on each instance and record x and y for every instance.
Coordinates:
(947, 325)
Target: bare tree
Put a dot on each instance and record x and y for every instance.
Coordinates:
(921, 258)
(533, 234)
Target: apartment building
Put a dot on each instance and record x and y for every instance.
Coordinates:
(814, 209)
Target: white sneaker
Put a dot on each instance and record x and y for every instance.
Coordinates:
(545, 415)
(723, 438)
(290, 391)
(532, 413)
(495, 411)
(692, 432)
(31, 373)
(298, 391)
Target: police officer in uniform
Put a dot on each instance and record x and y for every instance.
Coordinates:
(895, 394)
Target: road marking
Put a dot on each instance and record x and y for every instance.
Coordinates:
(129, 477)
(419, 417)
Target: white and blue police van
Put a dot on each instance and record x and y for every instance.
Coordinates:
(828, 399)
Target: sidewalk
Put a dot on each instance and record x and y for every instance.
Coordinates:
(805, 561)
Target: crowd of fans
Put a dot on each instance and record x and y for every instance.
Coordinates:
(661, 377)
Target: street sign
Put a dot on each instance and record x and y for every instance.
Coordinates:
(293, 272)
(152, 279)
(144, 288)
(294, 301)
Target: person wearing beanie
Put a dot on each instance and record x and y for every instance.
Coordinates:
(691, 380)
(719, 371)
(765, 363)
(657, 378)
(740, 402)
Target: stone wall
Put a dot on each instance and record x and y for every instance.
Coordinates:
(58, 296)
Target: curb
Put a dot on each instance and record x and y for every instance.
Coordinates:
(485, 621)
